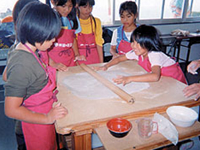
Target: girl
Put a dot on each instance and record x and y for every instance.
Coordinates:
(18, 128)
(65, 47)
(30, 84)
(146, 47)
(120, 43)
(90, 39)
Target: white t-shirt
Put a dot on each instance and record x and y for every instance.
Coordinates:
(155, 58)
(114, 37)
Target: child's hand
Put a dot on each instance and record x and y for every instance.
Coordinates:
(115, 55)
(192, 90)
(57, 112)
(122, 80)
(80, 58)
(193, 66)
(60, 66)
(97, 68)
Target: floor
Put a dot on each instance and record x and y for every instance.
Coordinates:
(7, 136)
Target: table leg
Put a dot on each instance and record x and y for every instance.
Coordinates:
(81, 142)
(64, 141)
(179, 49)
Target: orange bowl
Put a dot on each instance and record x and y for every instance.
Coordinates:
(119, 127)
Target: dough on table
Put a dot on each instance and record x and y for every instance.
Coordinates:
(85, 86)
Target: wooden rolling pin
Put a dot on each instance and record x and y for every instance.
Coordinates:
(125, 96)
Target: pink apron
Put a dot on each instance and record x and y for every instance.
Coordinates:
(173, 71)
(124, 46)
(62, 51)
(87, 47)
(44, 57)
(41, 136)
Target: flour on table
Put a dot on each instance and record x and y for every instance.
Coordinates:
(85, 86)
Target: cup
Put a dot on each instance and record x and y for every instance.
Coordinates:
(146, 127)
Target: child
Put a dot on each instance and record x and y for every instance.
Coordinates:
(65, 47)
(18, 128)
(120, 43)
(30, 83)
(146, 47)
(90, 39)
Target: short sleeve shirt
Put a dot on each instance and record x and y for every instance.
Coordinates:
(86, 28)
(25, 76)
(155, 58)
(114, 37)
(68, 24)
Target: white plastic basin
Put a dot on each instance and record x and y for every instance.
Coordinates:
(182, 116)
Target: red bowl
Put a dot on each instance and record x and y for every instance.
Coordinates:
(119, 127)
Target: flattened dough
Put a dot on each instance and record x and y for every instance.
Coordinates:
(85, 86)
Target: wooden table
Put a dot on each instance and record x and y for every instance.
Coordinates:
(134, 142)
(86, 115)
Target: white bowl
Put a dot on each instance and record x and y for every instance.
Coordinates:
(182, 116)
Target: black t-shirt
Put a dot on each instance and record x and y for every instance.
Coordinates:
(25, 76)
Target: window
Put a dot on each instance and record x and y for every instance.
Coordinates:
(152, 11)
(103, 10)
(194, 8)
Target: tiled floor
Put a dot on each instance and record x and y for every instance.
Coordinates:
(7, 136)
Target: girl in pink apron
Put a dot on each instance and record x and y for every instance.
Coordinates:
(120, 43)
(146, 47)
(90, 39)
(30, 87)
(64, 49)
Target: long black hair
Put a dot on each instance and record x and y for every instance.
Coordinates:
(148, 37)
(128, 6)
(72, 14)
(85, 2)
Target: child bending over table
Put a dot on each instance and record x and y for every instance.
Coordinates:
(146, 49)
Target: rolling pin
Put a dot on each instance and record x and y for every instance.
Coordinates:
(121, 93)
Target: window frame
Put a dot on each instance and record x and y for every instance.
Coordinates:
(183, 19)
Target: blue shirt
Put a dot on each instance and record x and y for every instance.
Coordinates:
(69, 24)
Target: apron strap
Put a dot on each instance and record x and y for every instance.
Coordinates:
(35, 57)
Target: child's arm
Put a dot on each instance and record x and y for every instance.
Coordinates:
(114, 61)
(193, 66)
(154, 76)
(113, 43)
(59, 66)
(4, 77)
(76, 52)
(100, 52)
(99, 39)
(113, 51)
(14, 109)
(193, 89)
